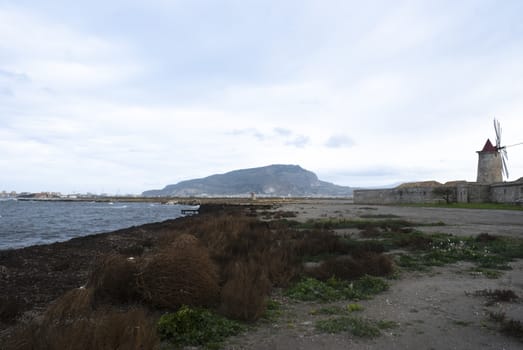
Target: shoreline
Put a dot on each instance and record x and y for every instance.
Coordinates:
(430, 307)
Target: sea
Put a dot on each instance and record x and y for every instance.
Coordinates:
(26, 223)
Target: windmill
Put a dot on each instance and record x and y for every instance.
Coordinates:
(502, 150)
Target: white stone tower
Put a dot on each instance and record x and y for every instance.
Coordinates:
(489, 165)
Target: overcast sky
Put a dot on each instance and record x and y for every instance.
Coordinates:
(124, 96)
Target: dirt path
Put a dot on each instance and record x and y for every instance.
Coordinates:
(432, 310)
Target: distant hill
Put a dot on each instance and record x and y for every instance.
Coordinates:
(272, 180)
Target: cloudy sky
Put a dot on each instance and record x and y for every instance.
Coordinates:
(123, 96)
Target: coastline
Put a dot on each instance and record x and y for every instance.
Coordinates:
(429, 307)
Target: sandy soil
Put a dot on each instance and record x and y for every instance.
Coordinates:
(433, 310)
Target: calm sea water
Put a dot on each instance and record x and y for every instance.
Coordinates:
(25, 223)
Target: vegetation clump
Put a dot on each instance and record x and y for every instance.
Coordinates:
(196, 327)
(311, 289)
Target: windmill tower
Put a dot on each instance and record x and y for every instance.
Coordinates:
(492, 162)
(489, 164)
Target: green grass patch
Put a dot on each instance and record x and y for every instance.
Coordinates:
(273, 310)
(488, 252)
(357, 326)
(328, 310)
(354, 307)
(196, 327)
(311, 289)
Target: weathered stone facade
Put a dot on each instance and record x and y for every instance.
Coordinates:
(461, 192)
(507, 192)
(489, 165)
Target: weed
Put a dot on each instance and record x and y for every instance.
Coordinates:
(497, 295)
(488, 252)
(194, 327)
(488, 273)
(273, 310)
(328, 310)
(359, 327)
(310, 289)
(354, 307)
(508, 326)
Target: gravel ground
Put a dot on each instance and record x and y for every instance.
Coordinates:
(433, 310)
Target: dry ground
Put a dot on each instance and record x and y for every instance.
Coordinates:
(433, 310)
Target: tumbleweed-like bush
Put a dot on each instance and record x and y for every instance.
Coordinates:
(103, 329)
(244, 295)
(174, 277)
(113, 279)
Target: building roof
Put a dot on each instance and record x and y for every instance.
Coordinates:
(419, 184)
(489, 147)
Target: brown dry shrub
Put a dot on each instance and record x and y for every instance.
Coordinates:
(113, 278)
(74, 304)
(104, 330)
(185, 240)
(175, 277)
(221, 234)
(282, 265)
(353, 267)
(319, 242)
(244, 295)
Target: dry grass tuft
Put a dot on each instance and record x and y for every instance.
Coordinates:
(244, 295)
(175, 277)
(104, 330)
(113, 279)
(74, 304)
(185, 240)
(353, 267)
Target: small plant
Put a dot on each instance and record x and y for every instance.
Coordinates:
(498, 295)
(194, 327)
(328, 310)
(273, 310)
(508, 326)
(354, 307)
(358, 326)
(310, 289)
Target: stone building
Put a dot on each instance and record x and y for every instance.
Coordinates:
(489, 187)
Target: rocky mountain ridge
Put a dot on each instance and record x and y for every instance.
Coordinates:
(273, 180)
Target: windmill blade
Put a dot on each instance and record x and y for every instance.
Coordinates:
(497, 128)
(505, 168)
(504, 153)
(515, 144)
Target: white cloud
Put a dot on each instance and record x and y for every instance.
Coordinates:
(362, 94)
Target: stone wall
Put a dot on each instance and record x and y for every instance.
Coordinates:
(469, 192)
(397, 195)
(507, 192)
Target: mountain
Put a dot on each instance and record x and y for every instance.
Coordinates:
(273, 180)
